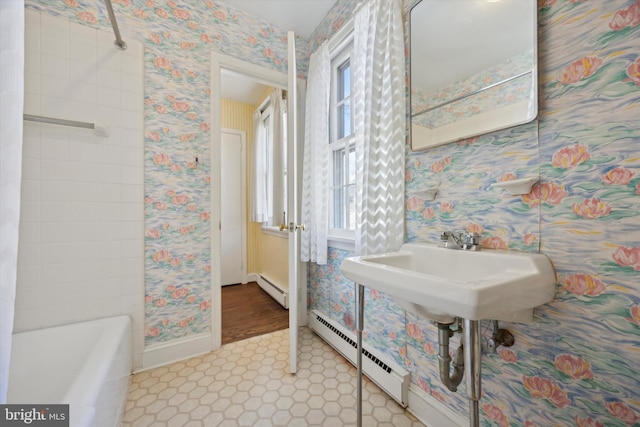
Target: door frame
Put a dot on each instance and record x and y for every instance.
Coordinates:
(263, 75)
(243, 197)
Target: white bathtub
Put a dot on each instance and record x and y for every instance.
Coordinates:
(87, 365)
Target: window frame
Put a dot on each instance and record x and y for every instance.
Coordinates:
(339, 57)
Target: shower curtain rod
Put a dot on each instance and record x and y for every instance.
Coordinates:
(98, 130)
(119, 42)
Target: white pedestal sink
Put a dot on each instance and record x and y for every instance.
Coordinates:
(442, 284)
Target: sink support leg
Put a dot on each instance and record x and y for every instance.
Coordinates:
(359, 328)
(472, 362)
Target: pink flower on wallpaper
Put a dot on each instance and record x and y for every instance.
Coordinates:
(205, 305)
(205, 216)
(170, 98)
(205, 127)
(206, 38)
(186, 137)
(161, 109)
(446, 207)
(179, 293)
(569, 157)
(160, 302)
(428, 213)
(220, 15)
(125, 3)
(587, 422)
(170, 193)
(347, 318)
(176, 74)
(468, 141)
(529, 239)
(181, 106)
(508, 355)
(628, 17)
(161, 256)
(161, 206)
(268, 53)
(494, 243)
(495, 414)
(71, 3)
(87, 17)
(375, 294)
(166, 34)
(175, 262)
(546, 3)
(622, 411)
(428, 348)
(573, 366)
(414, 203)
(148, 299)
(627, 257)
(162, 63)
(507, 177)
(150, 3)
(591, 208)
(193, 25)
(181, 14)
(252, 40)
(172, 4)
(187, 45)
(152, 332)
(548, 192)
(437, 167)
(408, 175)
(191, 299)
(192, 207)
(633, 71)
(580, 69)
(392, 335)
(190, 257)
(140, 13)
(530, 424)
(543, 388)
(152, 233)
(162, 13)
(475, 228)
(170, 288)
(619, 175)
(185, 322)
(414, 331)
(149, 101)
(162, 159)
(175, 167)
(635, 314)
(584, 284)
(423, 384)
(186, 230)
(148, 200)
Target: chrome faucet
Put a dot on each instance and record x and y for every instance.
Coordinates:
(461, 240)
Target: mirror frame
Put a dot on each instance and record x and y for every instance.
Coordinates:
(475, 130)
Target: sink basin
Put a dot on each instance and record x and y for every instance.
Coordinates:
(441, 284)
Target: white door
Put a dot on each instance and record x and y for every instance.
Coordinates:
(292, 205)
(232, 207)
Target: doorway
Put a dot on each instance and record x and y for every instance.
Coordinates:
(239, 95)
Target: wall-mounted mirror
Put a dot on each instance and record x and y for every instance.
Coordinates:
(473, 68)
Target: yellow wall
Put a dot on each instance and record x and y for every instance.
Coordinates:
(266, 254)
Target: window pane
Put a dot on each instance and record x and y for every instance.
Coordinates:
(338, 208)
(352, 208)
(352, 165)
(346, 81)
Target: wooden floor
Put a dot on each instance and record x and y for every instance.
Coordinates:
(248, 311)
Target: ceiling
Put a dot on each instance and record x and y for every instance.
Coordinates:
(301, 16)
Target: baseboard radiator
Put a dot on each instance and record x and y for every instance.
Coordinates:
(275, 290)
(387, 374)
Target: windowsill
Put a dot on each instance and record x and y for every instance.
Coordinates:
(275, 231)
(342, 242)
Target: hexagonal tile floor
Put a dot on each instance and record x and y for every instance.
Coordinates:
(246, 383)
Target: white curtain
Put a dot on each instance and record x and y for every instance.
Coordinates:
(259, 181)
(11, 107)
(315, 169)
(378, 65)
(278, 142)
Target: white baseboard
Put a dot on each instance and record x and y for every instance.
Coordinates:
(432, 412)
(275, 290)
(176, 350)
(252, 277)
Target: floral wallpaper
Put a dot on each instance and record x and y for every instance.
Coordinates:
(507, 93)
(179, 37)
(577, 363)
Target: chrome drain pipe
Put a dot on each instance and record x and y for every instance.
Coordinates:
(472, 360)
(451, 381)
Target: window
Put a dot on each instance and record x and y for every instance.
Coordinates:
(342, 144)
(272, 172)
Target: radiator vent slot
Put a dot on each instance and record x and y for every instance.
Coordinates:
(382, 370)
(354, 344)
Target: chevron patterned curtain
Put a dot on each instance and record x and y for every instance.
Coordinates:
(380, 126)
(315, 168)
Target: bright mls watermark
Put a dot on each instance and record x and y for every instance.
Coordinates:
(34, 415)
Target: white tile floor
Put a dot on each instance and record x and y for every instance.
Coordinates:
(246, 384)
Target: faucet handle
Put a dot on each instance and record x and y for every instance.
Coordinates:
(445, 235)
(472, 241)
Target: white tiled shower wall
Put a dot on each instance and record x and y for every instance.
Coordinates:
(81, 232)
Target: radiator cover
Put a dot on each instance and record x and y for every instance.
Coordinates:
(387, 374)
